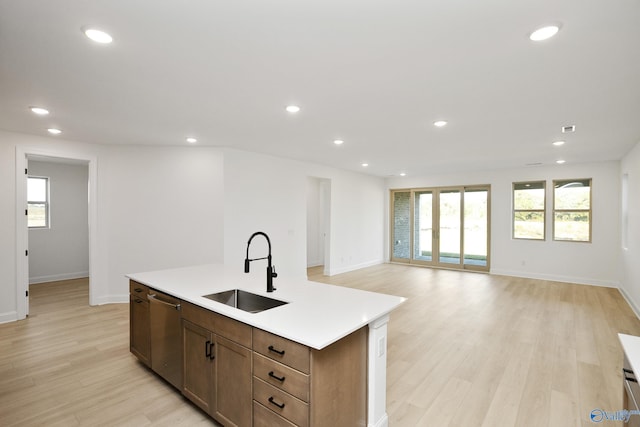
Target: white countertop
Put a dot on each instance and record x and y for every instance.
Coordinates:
(631, 347)
(317, 314)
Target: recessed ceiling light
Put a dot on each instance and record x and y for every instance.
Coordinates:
(292, 108)
(403, 174)
(560, 161)
(558, 143)
(54, 131)
(97, 36)
(440, 123)
(338, 142)
(544, 33)
(364, 165)
(191, 140)
(39, 111)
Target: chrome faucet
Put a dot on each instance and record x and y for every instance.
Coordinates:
(271, 270)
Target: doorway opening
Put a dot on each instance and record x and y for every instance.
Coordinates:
(318, 226)
(57, 219)
(23, 158)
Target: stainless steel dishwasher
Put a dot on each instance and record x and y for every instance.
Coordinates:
(166, 337)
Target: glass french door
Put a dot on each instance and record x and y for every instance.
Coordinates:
(441, 227)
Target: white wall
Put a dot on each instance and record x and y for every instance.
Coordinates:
(630, 283)
(61, 251)
(264, 193)
(157, 208)
(162, 208)
(596, 263)
(7, 229)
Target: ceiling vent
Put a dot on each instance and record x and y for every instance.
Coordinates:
(568, 129)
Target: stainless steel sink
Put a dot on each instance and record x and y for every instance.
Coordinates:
(244, 300)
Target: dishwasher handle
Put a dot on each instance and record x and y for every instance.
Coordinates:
(154, 298)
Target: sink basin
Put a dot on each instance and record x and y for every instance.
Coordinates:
(244, 300)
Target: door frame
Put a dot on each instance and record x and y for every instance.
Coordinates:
(22, 230)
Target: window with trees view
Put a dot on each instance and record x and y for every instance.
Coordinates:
(37, 202)
(572, 210)
(529, 210)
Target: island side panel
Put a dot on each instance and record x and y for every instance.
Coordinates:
(377, 366)
(339, 382)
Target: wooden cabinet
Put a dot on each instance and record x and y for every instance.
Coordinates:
(294, 385)
(217, 365)
(139, 326)
(243, 376)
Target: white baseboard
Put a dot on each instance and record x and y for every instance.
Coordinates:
(556, 278)
(348, 268)
(10, 316)
(382, 422)
(112, 299)
(57, 277)
(630, 301)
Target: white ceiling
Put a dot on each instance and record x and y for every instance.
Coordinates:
(374, 73)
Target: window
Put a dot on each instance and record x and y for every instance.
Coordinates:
(441, 227)
(572, 210)
(529, 210)
(37, 202)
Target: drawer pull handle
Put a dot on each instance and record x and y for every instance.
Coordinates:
(275, 377)
(138, 290)
(626, 371)
(271, 348)
(273, 402)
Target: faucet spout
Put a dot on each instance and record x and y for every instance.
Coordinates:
(271, 270)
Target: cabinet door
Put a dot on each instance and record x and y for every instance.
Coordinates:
(139, 331)
(198, 365)
(233, 397)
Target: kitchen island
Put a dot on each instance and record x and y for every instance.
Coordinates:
(320, 318)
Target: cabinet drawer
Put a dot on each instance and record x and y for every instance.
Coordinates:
(136, 288)
(281, 349)
(281, 376)
(262, 417)
(217, 323)
(281, 403)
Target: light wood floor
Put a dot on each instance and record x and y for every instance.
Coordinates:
(466, 349)
(472, 349)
